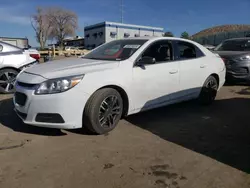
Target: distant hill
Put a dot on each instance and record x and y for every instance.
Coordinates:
(221, 29)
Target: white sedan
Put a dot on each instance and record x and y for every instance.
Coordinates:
(117, 79)
(12, 61)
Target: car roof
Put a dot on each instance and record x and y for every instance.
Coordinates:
(153, 38)
(242, 38)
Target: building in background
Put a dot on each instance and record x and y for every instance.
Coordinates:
(19, 42)
(75, 41)
(100, 33)
(216, 35)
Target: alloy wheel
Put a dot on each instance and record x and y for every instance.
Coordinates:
(7, 81)
(110, 109)
(211, 84)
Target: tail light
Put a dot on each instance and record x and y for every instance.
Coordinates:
(35, 56)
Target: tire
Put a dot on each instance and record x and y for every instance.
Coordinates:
(97, 116)
(7, 80)
(208, 91)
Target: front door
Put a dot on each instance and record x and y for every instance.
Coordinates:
(155, 84)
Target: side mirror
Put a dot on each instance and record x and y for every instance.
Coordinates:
(146, 60)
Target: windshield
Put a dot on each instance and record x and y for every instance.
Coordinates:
(234, 45)
(116, 50)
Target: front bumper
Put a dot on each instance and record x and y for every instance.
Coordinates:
(237, 71)
(68, 105)
(232, 75)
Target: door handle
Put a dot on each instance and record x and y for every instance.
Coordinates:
(202, 66)
(173, 71)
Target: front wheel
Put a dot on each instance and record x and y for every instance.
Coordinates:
(7, 80)
(208, 91)
(103, 111)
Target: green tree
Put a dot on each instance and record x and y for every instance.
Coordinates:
(185, 35)
(168, 34)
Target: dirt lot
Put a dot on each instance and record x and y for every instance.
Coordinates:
(184, 145)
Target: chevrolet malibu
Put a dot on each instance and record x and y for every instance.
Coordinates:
(117, 79)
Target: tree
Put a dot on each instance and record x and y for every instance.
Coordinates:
(42, 26)
(64, 23)
(168, 34)
(185, 35)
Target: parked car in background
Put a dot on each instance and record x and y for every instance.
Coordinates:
(236, 55)
(12, 60)
(81, 48)
(209, 47)
(33, 53)
(68, 48)
(117, 79)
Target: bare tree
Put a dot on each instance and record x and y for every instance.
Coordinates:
(64, 23)
(42, 26)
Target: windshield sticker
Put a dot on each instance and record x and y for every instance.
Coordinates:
(135, 46)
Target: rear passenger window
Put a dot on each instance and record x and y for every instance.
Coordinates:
(186, 50)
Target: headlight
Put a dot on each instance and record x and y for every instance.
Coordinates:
(58, 85)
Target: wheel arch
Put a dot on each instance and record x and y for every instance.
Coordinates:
(124, 96)
(9, 67)
(216, 76)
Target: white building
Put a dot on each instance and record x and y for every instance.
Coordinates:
(100, 33)
(19, 42)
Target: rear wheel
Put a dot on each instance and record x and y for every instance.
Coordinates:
(103, 111)
(208, 91)
(7, 80)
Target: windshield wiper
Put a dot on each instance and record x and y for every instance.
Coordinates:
(106, 59)
(91, 58)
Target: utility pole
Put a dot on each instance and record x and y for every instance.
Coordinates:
(121, 11)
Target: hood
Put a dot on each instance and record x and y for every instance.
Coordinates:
(70, 67)
(231, 54)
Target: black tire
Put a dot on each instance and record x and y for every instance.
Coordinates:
(7, 84)
(93, 112)
(208, 91)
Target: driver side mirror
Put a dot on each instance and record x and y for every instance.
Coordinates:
(146, 60)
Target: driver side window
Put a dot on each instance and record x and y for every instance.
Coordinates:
(161, 51)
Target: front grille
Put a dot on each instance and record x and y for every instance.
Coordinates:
(22, 115)
(26, 85)
(20, 98)
(240, 70)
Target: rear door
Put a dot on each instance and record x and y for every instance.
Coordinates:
(193, 68)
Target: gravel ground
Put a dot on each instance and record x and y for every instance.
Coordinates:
(183, 145)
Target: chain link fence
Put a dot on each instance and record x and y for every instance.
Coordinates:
(220, 37)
